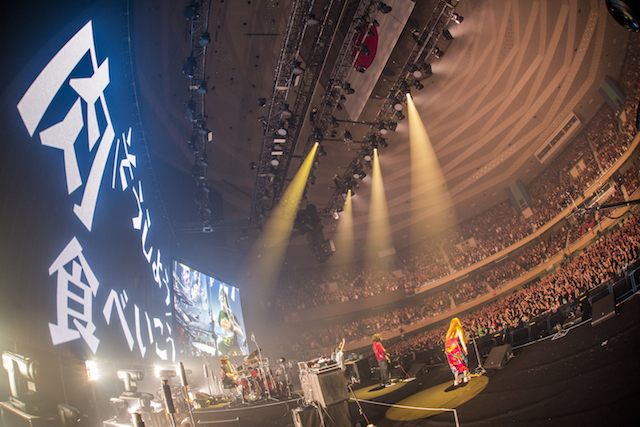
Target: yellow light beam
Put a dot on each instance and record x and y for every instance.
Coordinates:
(431, 206)
(344, 236)
(267, 253)
(379, 240)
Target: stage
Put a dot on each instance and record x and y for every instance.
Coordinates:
(588, 377)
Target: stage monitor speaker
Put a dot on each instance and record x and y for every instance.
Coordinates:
(329, 387)
(306, 417)
(364, 370)
(417, 369)
(498, 357)
(603, 309)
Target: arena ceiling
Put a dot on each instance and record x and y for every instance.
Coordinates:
(514, 71)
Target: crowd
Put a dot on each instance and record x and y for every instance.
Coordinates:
(575, 169)
(606, 259)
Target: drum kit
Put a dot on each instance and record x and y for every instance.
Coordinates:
(255, 380)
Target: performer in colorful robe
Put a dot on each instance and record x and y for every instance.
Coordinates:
(456, 351)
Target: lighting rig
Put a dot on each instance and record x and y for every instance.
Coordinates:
(283, 121)
(194, 66)
(415, 68)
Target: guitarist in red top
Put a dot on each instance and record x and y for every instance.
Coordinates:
(383, 359)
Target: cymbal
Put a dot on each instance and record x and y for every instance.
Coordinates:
(253, 355)
(250, 362)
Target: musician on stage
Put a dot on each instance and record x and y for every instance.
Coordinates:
(456, 351)
(383, 360)
(228, 374)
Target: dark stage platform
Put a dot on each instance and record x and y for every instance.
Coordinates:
(589, 377)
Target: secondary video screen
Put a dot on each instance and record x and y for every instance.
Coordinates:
(208, 315)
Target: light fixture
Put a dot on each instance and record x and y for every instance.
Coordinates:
(92, 370)
(192, 144)
(191, 11)
(202, 88)
(457, 18)
(346, 86)
(297, 68)
(399, 115)
(384, 8)
(438, 53)
(393, 126)
(190, 110)
(418, 85)
(262, 102)
(204, 39)
(275, 162)
(189, 67)
(311, 20)
(397, 105)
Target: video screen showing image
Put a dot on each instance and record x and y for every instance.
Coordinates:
(208, 315)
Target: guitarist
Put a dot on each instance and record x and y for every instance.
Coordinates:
(383, 360)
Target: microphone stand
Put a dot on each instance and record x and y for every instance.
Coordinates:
(480, 369)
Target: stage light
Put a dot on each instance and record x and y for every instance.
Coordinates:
(457, 18)
(347, 137)
(383, 142)
(190, 110)
(367, 157)
(204, 39)
(400, 116)
(252, 166)
(275, 162)
(202, 88)
(286, 113)
(397, 105)
(311, 20)
(438, 53)
(92, 370)
(384, 8)
(346, 86)
(129, 377)
(189, 67)
(393, 126)
(191, 11)
(338, 107)
(262, 102)
(427, 69)
(418, 85)
(281, 131)
(447, 35)
(297, 68)
(192, 144)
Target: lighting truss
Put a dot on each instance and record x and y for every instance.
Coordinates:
(422, 50)
(200, 135)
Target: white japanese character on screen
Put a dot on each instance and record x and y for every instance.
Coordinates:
(76, 286)
(64, 135)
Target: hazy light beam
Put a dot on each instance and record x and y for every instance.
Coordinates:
(429, 192)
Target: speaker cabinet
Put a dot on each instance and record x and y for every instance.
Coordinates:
(333, 415)
(603, 309)
(329, 387)
(417, 369)
(498, 357)
(306, 417)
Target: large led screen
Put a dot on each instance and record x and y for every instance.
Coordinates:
(208, 315)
